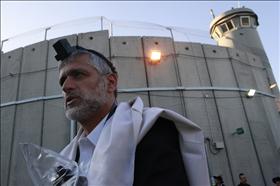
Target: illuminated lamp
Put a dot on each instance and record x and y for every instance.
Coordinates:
(251, 93)
(155, 57)
(273, 85)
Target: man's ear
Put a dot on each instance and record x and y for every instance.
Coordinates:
(112, 82)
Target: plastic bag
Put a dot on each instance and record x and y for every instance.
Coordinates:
(48, 168)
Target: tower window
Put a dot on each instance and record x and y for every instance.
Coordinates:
(230, 25)
(245, 21)
(224, 27)
(217, 34)
(227, 26)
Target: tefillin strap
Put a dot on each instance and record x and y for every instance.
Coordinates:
(112, 111)
(64, 50)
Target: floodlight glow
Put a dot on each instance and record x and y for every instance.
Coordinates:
(273, 85)
(155, 56)
(251, 92)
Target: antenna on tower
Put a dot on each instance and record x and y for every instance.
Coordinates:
(238, 4)
(212, 13)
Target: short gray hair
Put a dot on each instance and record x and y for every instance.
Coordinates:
(97, 62)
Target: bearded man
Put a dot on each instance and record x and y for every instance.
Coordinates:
(124, 144)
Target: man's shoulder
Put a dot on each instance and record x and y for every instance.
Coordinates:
(162, 128)
(158, 159)
(162, 134)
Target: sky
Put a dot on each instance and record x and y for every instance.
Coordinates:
(19, 17)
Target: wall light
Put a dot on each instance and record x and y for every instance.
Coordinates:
(251, 92)
(155, 57)
(272, 85)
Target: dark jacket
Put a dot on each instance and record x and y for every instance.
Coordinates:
(158, 160)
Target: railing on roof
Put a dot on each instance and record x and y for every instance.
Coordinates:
(115, 28)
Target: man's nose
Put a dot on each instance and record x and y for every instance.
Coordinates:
(68, 85)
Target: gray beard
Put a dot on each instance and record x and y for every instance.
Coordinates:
(89, 105)
(83, 111)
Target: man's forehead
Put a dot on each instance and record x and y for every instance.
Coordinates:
(76, 65)
(80, 65)
(80, 60)
(81, 57)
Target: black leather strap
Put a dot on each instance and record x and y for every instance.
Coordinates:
(112, 111)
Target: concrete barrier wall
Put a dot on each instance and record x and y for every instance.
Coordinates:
(127, 56)
(163, 74)
(273, 116)
(258, 118)
(200, 105)
(232, 116)
(32, 72)
(10, 72)
(27, 126)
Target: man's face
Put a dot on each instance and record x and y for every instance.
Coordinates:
(278, 183)
(84, 88)
(243, 179)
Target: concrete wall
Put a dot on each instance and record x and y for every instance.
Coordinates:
(31, 72)
(200, 105)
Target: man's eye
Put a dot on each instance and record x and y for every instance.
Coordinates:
(78, 74)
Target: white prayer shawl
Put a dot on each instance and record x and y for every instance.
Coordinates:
(112, 163)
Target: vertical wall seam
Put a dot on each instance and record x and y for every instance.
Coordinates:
(246, 116)
(44, 94)
(264, 102)
(1, 110)
(203, 92)
(178, 77)
(110, 49)
(14, 119)
(219, 115)
(145, 68)
(73, 125)
(206, 106)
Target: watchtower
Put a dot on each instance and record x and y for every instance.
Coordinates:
(237, 28)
